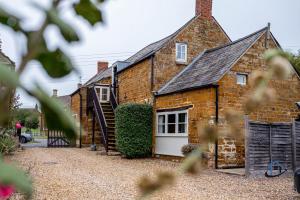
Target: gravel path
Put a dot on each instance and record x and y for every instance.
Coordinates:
(81, 174)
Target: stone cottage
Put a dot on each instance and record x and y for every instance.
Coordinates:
(191, 78)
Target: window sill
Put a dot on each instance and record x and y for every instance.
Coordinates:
(172, 135)
(178, 62)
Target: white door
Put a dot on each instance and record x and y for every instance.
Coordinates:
(103, 93)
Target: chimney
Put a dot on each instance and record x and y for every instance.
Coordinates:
(54, 93)
(204, 8)
(79, 85)
(102, 66)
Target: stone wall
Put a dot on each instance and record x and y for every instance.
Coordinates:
(199, 35)
(135, 83)
(233, 96)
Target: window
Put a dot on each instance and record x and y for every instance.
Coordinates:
(172, 123)
(241, 79)
(181, 52)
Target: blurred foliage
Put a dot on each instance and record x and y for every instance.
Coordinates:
(56, 64)
(27, 117)
(8, 144)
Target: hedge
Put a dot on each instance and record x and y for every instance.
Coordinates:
(134, 130)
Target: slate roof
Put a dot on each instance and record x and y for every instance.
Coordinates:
(65, 100)
(98, 77)
(211, 65)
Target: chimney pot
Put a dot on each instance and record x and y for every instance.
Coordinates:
(54, 93)
(102, 65)
(204, 8)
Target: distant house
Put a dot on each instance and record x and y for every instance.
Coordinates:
(191, 78)
(66, 102)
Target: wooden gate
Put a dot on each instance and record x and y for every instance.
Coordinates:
(57, 139)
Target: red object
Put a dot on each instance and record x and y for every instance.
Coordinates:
(18, 125)
(6, 192)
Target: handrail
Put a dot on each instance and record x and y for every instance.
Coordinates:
(101, 118)
(113, 100)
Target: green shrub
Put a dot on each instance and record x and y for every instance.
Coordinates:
(134, 130)
(7, 144)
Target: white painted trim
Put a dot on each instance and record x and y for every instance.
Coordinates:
(176, 134)
(181, 60)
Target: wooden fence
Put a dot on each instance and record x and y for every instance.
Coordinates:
(267, 142)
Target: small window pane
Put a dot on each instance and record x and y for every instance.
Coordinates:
(181, 128)
(172, 118)
(161, 129)
(171, 128)
(181, 52)
(241, 79)
(161, 119)
(182, 117)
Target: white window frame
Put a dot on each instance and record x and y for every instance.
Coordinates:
(242, 83)
(176, 134)
(179, 47)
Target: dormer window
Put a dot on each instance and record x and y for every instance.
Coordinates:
(181, 52)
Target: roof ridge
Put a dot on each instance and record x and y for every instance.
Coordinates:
(236, 41)
(171, 36)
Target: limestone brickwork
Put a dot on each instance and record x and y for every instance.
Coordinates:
(200, 34)
(231, 152)
(134, 84)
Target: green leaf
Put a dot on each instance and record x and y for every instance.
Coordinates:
(10, 175)
(88, 11)
(9, 20)
(56, 116)
(65, 29)
(56, 63)
(8, 76)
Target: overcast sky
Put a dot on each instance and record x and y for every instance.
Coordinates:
(132, 24)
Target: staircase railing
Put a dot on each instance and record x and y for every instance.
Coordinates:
(100, 117)
(113, 100)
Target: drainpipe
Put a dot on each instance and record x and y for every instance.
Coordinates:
(217, 122)
(152, 73)
(80, 118)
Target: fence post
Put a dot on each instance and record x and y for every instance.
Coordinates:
(247, 143)
(294, 138)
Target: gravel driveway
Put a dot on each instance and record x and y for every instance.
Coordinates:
(81, 174)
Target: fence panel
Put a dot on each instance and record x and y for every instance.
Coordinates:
(281, 144)
(258, 149)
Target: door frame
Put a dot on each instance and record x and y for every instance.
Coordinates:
(101, 87)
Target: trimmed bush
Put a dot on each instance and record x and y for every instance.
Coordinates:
(134, 130)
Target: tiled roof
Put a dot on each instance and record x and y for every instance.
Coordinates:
(210, 66)
(98, 77)
(65, 100)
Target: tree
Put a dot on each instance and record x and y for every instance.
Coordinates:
(32, 122)
(55, 62)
